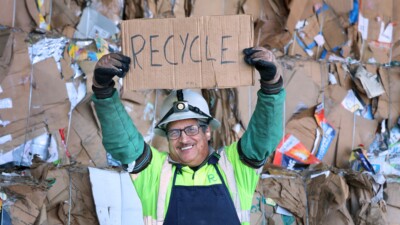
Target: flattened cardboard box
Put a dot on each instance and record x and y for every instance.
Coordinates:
(194, 52)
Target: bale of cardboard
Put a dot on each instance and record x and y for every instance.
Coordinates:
(320, 195)
(356, 44)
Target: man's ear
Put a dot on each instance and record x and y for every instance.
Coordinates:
(208, 133)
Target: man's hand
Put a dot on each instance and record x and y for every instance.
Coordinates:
(108, 66)
(264, 61)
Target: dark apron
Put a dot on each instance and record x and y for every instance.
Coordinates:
(206, 205)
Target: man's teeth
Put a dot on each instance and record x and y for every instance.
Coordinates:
(186, 148)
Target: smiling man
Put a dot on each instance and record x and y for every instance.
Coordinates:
(192, 183)
(185, 145)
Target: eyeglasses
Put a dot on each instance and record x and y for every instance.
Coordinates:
(189, 131)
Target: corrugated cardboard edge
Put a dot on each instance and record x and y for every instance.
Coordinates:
(129, 83)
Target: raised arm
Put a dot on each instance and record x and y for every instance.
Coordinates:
(120, 137)
(265, 128)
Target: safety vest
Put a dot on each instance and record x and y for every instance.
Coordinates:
(167, 170)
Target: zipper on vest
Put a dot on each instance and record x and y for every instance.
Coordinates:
(194, 172)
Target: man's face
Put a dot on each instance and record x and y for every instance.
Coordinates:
(189, 150)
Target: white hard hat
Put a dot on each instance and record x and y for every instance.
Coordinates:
(184, 104)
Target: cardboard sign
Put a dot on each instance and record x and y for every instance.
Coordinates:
(194, 52)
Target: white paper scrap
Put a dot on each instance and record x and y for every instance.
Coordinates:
(351, 102)
(6, 103)
(5, 138)
(385, 35)
(363, 26)
(319, 39)
(283, 211)
(115, 197)
(370, 82)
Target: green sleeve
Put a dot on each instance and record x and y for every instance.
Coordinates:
(265, 128)
(120, 137)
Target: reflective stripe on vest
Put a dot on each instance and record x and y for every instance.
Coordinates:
(148, 220)
(166, 174)
(225, 165)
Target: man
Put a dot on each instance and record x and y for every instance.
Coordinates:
(193, 183)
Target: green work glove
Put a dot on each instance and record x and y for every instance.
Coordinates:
(264, 61)
(108, 66)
